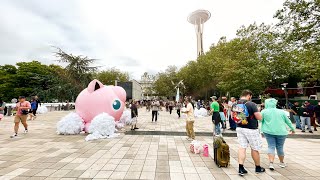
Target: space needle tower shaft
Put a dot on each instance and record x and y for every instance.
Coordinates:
(198, 18)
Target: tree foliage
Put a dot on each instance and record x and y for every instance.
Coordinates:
(109, 76)
(261, 56)
(53, 82)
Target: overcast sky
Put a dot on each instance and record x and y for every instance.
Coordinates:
(132, 35)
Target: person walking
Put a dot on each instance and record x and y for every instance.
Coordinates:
(189, 120)
(134, 115)
(274, 127)
(178, 107)
(171, 105)
(2, 109)
(305, 117)
(155, 105)
(38, 103)
(22, 108)
(33, 110)
(216, 119)
(248, 134)
(296, 117)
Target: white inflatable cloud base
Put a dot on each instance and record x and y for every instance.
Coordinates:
(42, 110)
(125, 119)
(70, 124)
(102, 126)
(202, 112)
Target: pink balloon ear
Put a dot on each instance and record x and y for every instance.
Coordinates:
(120, 92)
(94, 85)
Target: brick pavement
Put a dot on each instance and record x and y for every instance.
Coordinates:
(42, 154)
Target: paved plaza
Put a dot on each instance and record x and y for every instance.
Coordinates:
(42, 154)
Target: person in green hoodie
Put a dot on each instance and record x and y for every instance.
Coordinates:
(274, 128)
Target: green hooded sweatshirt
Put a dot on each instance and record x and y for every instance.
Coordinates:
(275, 121)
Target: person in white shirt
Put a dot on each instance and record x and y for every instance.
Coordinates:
(190, 120)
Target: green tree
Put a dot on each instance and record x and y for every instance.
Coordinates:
(165, 82)
(79, 69)
(109, 76)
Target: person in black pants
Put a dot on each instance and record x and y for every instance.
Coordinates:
(155, 105)
(38, 103)
(178, 107)
(134, 115)
(171, 104)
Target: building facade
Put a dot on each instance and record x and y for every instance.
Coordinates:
(147, 82)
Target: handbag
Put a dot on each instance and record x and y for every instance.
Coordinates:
(24, 112)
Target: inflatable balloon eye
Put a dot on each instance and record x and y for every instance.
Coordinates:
(116, 105)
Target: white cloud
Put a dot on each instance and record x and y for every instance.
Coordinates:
(134, 36)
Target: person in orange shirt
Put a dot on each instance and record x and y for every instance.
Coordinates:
(22, 109)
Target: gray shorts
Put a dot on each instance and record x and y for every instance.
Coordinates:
(250, 137)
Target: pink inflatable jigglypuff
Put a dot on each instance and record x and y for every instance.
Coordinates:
(95, 100)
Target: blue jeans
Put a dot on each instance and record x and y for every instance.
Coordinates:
(216, 129)
(297, 119)
(275, 142)
(303, 123)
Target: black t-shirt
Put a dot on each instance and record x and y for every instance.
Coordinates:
(295, 109)
(252, 121)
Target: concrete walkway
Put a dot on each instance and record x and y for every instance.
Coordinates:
(42, 154)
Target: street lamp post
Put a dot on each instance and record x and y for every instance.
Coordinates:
(286, 94)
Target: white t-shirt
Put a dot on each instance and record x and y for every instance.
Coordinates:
(190, 115)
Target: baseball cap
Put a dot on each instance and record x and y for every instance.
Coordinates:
(22, 97)
(214, 97)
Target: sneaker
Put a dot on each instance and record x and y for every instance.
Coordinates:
(260, 170)
(25, 131)
(310, 132)
(282, 165)
(136, 128)
(242, 172)
(271, 167)
(303, 131)
(14, 135)
(315, 129)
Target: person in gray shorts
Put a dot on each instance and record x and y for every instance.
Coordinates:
(249, 135)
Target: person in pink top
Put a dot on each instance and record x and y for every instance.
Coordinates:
(22, 108)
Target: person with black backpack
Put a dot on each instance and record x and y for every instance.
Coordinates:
(246, 115)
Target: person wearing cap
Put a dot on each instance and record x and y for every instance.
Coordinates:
(22, 108)
(215, 115)
(190, 119)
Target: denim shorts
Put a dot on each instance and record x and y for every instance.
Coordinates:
(275, 142)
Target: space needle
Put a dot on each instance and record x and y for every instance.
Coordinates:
(198, 18)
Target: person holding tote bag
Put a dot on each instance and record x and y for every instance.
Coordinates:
(274, 127)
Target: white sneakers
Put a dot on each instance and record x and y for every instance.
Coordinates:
(271, 167)
(25, 131)
(14, 135)
(282, 165)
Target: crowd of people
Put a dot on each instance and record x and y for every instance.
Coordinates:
(274, 123)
